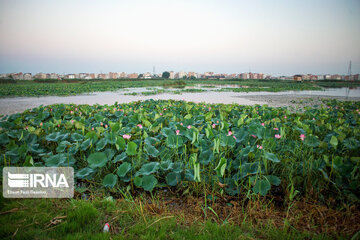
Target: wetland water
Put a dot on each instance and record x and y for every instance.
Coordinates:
(19, 104)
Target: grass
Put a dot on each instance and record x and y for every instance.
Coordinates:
(137, 219)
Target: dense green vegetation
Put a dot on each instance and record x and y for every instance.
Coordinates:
(218, 154)
(73, 87)
(227, 149)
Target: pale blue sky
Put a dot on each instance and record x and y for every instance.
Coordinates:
(279, 37)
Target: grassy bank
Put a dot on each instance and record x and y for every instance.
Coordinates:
(149, 218)
(74, 87)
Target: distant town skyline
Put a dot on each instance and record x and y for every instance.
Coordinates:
(231, 36)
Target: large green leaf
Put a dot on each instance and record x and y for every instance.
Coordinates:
(62, 146)
(166, 165)
(172, 179)
(4, 139)
(97, 160)
(131, 149)
(274, 180)
(84, 173)
(334, 141)
(173, 141)
(121, 157)
(60, 160)
(123, 169)
(120, 144)
(312, 141)
(151, 150)
(351, 143)
(109, 180)
(271, 157)
(206, 157)
(77, 137)
(101, 144)
(149, 168)
(262, 186)
(149, 182)
(85, 144)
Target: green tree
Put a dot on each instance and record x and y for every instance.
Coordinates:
(165, 75)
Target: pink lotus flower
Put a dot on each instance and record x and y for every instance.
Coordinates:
(262, 124)
(213, 126)
(253, 135)
(71, 112)
(234, 137)
(209, 108)
(41, 124)
(106, 125)
(92, 129)
(72, 121)
(58, 125)
(139, 126)
(277, 136)
(259, 147)
(276, 129)
(160, 114)
(76, 109)
(188, 127)
(105, 109)
(114, 109)
(125, 136)
(217, 121)
(181, 124)
(164, 109)
(51, 110)
(101, 124)
(229, 133)
(285, 117)
(302, 137)
(177, 132)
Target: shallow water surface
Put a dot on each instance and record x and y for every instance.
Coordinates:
(19, 104)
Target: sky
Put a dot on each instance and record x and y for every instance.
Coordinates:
(278, 37)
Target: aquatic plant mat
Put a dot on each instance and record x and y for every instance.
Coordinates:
(169, 169)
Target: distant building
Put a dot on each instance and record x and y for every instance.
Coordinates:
(298, 77)
(40, 76)
(122, 75)
(172, 75)
(18, 76)
(191, 74)
(147, 75)
(244, 76)
(54, 76)
(182, 75)
(336, 77)
(84, 76)
(133, 75)
(70, 76)
(103, 76)
(113, 75)
(28, 76)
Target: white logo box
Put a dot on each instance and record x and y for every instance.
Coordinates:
(38, 182)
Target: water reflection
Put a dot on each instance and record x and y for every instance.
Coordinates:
(19, 104)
